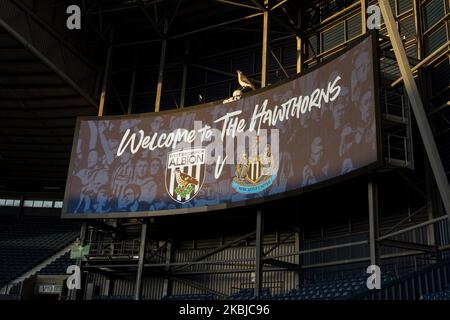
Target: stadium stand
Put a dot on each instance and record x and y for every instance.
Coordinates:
(111, 297)
(341, 289)
(59, 266)
(249, 293)
(440, 295)
(30, 241)
(6, 220)
(338, 289)
(190, 297)
(9, 297)
(428, 283)
(313, 246)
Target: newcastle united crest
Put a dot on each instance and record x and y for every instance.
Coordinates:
(254, 174)
(185, 173)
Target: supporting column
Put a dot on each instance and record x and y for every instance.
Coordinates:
(78, 294)
(418, 28)
(434, 205)
(106, 76)
(167, 289)
(434, 208)
(417, 105)
(298, 245)
(373, 223)
(109, 290)
(364, 16)
(132, 89)
(142, 250)
(184, 79)
(162, 61)
(299, 54)
(265, 44)
(19, 214)
(259, 264)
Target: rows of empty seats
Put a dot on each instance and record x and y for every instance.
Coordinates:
(327, 290)
(59, 266)
(331, 289)
(249, 294)
(30, 241)
(440, 295)
(6, 220)
(335, 289)
(118, 297)
(9, 297)
(190, 297)
(319, 290)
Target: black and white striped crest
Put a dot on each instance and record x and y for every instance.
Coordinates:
(185, 173)
(254, 171)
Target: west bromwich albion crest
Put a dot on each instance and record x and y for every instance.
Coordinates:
(185, 173)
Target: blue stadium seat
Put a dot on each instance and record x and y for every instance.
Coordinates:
(31, 240)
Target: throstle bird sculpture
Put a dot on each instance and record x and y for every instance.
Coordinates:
(243, 81)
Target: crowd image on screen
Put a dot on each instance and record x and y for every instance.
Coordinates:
(115, 184)
(327, 140)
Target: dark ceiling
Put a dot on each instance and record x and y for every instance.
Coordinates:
(38, 106)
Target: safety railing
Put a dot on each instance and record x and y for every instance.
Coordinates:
(126, 249)
(397, 150)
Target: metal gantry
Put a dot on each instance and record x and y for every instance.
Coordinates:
(298, 35)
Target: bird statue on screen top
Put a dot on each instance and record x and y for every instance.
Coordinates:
(243, 81)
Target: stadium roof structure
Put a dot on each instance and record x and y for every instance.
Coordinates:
(49, 74)
(37, 119)
(46, 81)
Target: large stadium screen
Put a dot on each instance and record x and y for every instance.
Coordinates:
(285, 139)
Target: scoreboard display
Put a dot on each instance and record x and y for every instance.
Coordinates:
(311, 129)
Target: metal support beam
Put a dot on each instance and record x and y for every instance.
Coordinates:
(78, 294)
(132, 90)
(279, 64)
(221, 24)
(418, 28)
(167, 288)
(142, 250)
(409, 245)
(48, 63)
(373, 222)
(101, 109)
(417, 105)
(19, 214)
(436, 54)
(259, 252)
(265, 44)
(299, 54)
(279, 4)
(281, 264)
(149, 18)
(198, 286)
(106, 76)
(416, 226)
(184, 77)
(364, 16)
(298, 259)
(162, 60)
(434, 208)
(245, 237)
(242, 5)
